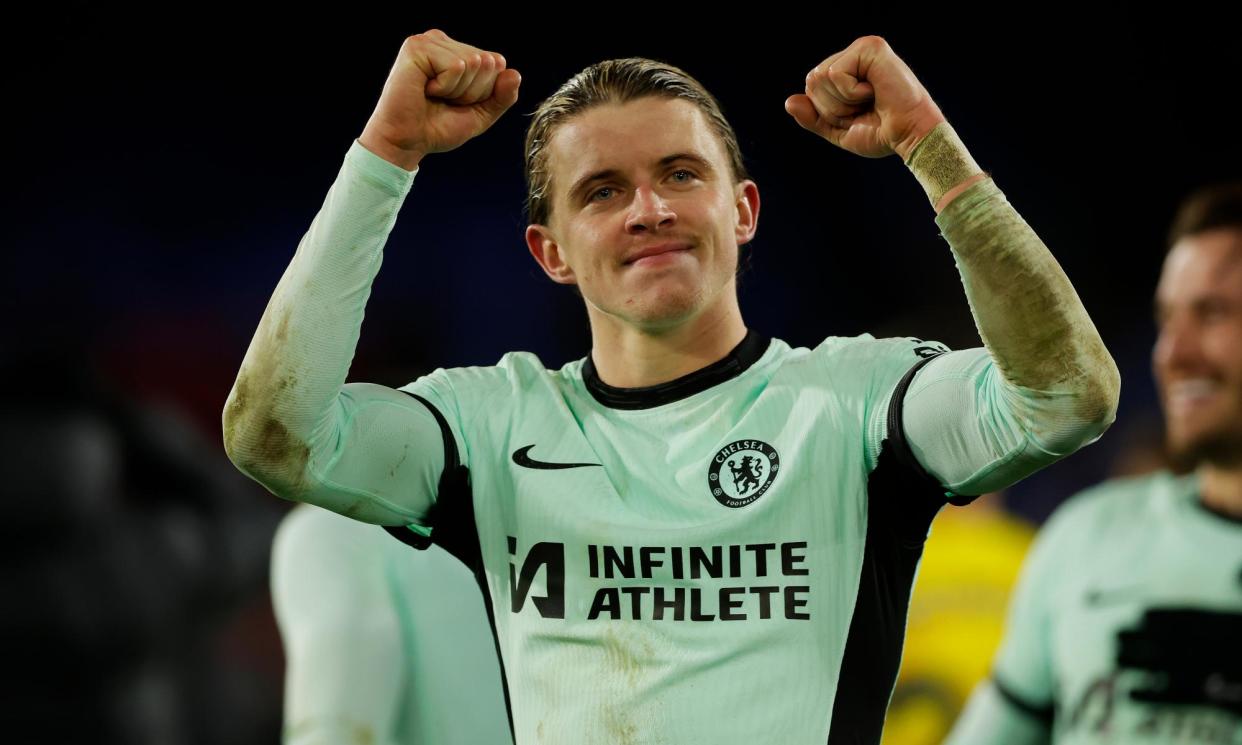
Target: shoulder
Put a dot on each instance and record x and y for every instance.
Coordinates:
(1113, 506)
(477, 387)
(869, 365)
(867, 348)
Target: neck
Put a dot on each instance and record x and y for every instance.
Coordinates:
(1220, 488)
(626, 356)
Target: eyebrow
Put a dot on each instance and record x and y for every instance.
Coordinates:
(608, 173)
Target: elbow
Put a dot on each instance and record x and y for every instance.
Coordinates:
(1084, 416)
(263, 448)
(1113, 397)
(1062, 419)
(235, 427)
(1102, 392)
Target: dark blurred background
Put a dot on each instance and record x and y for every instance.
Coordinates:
(163, 166)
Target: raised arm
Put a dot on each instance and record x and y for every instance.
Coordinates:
(290, 421)
(1048, 385)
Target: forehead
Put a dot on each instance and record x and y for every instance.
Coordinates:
(628, 135)
(1202, 265)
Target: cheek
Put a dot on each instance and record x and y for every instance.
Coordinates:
(1223, 346)
(1159, 353)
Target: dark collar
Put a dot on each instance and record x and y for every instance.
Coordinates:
(734, 363)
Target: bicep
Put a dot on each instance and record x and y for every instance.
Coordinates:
(965, 427)
(380, 458)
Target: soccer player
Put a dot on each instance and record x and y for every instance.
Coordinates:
(383, 645)
(695, 533)
(1126, 626)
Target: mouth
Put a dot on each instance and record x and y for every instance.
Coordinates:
(657, 253)
(1186, 395)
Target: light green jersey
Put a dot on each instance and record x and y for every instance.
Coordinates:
(1108, 565)
(723, 558)
(383, 645)
(697, 561)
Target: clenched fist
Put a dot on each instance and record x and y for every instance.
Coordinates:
(439, 93)
(865, 99)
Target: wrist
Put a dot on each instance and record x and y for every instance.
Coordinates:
(403, 157)
(942, 164)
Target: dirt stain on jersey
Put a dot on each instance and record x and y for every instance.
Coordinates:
(256, 441)
(627, 654)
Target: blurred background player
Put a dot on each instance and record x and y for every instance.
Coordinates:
(383, 645)
(1127, 623)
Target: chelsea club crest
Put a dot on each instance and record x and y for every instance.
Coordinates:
(742, 471)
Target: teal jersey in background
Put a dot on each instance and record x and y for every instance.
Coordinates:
(725, 558)
(383, 645)
(1129, 588)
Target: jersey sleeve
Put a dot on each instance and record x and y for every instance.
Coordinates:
(291, 422)
(398, 453)
(975, 433)
(385, 461)
(340, 628)
(957, 424)
(990, 717)
(886, 363)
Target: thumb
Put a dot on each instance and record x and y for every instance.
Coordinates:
(802, 110)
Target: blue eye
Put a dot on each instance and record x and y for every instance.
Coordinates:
(594, 195)
(688, 174)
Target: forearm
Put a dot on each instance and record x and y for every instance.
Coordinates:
(1031, 320)
(292, 373)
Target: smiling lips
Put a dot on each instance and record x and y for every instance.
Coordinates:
(1187, 394)
(650, 254)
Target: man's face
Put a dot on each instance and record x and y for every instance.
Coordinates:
(646, 219)
(1198, 354)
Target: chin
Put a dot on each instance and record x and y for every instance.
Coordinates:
(664, 309)
(1221, 448)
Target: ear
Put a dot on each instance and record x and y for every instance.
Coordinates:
(547, 252)
(747, 202)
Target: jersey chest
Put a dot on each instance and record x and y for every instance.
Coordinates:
(1151, 591)
(715, 514)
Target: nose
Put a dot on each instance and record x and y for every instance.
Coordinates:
(1177, 346)
(649, 211)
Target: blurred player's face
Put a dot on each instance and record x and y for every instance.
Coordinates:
(1198, 354)
(646, 218)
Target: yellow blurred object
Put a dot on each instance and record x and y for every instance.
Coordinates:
(957, 615)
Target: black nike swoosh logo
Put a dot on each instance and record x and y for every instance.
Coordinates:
(521, 458)
(1113, 595)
